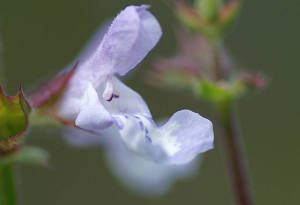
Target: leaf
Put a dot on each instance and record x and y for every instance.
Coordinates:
(14, 113)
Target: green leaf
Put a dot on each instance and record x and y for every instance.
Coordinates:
(27, 155)
(14, 113)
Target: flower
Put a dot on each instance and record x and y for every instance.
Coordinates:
(96, 100)
(132, 34)
(140, 175)
(144, 176)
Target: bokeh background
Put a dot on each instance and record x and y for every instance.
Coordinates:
(39, 37)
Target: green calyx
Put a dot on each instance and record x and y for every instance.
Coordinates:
(208, 9)
(14, 113)
(218, 92)
(211, 18)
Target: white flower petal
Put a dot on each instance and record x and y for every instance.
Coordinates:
(92, 115)
(136, 173)
(79, 138)
(133, 33)
(127, 102)
(179, 141)
(144, 176)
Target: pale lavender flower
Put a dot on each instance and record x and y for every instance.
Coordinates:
(97, 100)
(144, 176)
(136, 173)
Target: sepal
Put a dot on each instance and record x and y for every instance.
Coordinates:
(208, 9)
(14, 112)
(221, 91)
(231, 90)
(48, 94)
(208, 17)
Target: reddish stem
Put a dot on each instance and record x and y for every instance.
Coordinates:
(234, 156)
(231, 140)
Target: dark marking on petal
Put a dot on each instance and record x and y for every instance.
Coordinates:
(115, 95)
(148, 139)
(119, 123)
(141, 125)
(112, 97)
(147, 135)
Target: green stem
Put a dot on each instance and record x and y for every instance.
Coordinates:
(2, 81)
(8, 194)
(222, 69)
(234, 156)
(7, 186)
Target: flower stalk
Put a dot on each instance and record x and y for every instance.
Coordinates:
(214, 79)
(7, 186)
(231, 139)
(221, 72)
(233, 154)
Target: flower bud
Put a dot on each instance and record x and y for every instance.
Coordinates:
(228, 14)
(211, 18)
(208, 9)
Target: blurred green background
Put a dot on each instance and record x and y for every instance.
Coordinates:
(40, 37)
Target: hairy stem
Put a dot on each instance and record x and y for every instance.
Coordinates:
(7, 187)
(222, 63)
(2, 81)
(231, 140)
(234, 156)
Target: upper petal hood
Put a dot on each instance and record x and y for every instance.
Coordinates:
(130, 37)
(132, 34)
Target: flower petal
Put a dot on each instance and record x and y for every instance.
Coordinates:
(92, 115)
(69, 105)
(133, 33)
(179, 141)
(136, 173)
(80, 138)
(189, 135)
(144, 176)
(93, 44)
(127, 102)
